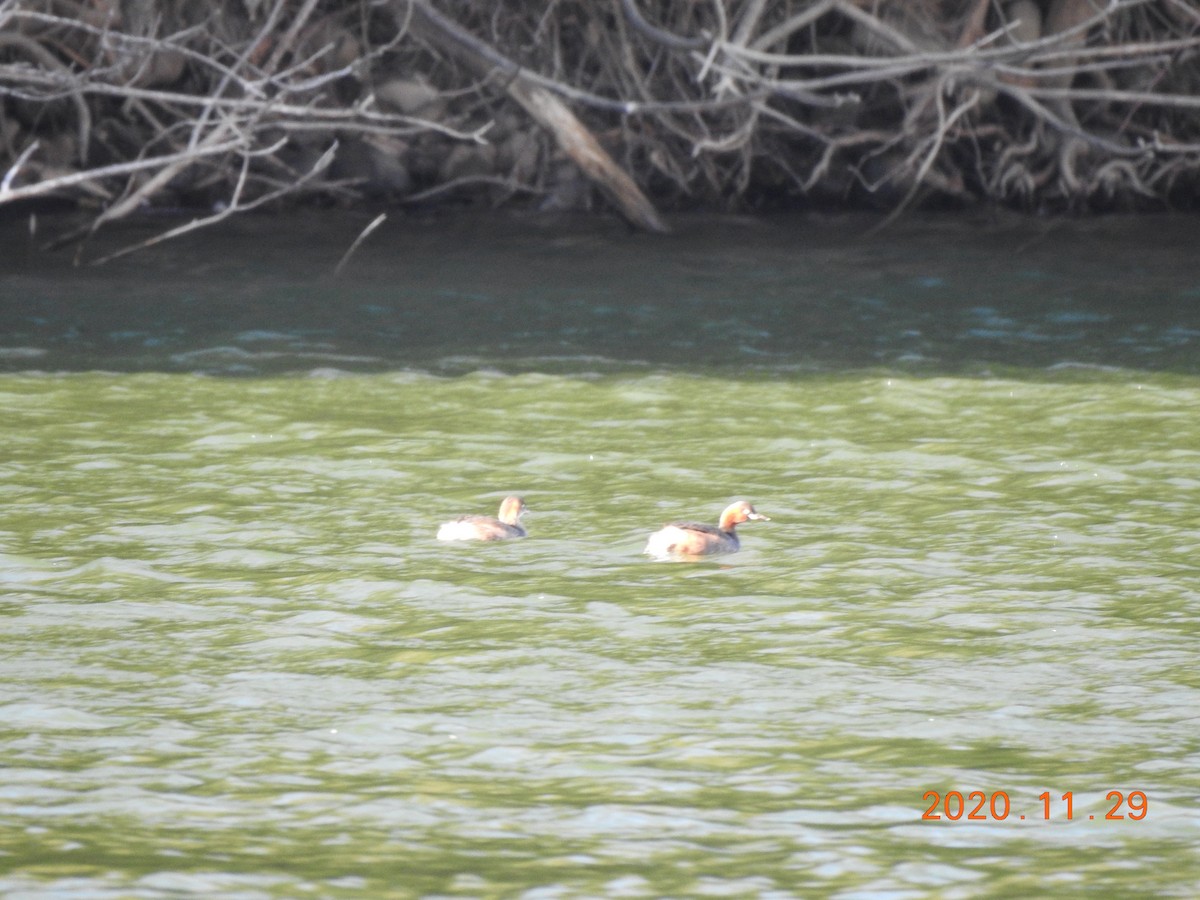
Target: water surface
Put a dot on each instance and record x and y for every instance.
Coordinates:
(236, 663)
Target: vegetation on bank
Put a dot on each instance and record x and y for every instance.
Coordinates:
(648, 105)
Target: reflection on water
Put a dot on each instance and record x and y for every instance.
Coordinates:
(237, 663)
(790, 293)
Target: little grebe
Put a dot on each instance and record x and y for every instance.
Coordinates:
(485, 528)
(684, 539)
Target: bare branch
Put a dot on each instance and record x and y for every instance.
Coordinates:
(705, 102)
(375, 223)
(226, 212)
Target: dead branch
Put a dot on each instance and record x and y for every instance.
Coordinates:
(546, 109)
(363, 235)
(235, 206)
(1054, 104)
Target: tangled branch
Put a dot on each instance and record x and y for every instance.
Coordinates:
(1040, 104)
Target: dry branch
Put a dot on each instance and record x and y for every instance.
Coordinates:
(1040, 104)
(545, 108)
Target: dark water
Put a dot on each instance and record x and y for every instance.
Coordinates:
(236, 663)
(774, 296)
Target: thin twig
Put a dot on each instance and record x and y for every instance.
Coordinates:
(375, 223)
(62, 182)
(6, 185)
(318, 167)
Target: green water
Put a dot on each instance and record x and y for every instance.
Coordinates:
(236, 663)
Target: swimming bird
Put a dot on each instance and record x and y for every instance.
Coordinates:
(686, 539)
(486, 528)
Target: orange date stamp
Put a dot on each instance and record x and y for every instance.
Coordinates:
(980, 806)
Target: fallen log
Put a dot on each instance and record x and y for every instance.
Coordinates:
(575, 140)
